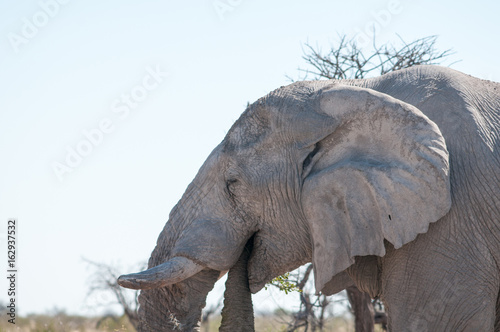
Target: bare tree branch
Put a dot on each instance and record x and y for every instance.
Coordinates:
(347, 61)
(104, 279)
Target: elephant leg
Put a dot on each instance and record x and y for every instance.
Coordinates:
(237, 314)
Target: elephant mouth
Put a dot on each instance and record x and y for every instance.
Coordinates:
(269, 259)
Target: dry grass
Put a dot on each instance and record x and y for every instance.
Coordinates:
(66, 323)
(273, 323)
(69, 323)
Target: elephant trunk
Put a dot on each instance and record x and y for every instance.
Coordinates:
(171, 306)
(237, 314)
(174, 288)
(176, 307)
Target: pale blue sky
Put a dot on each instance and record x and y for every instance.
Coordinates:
(73, 72)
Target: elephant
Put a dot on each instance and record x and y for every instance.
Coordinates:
(391, 184)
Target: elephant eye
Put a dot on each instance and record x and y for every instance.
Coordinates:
(310, 156)
(229, 184)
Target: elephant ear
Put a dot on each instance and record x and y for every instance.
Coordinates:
(381, 172)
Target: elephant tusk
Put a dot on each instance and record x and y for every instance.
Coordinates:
(222, 273)
(171, 272)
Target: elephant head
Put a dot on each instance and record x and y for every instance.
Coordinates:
(315, 171)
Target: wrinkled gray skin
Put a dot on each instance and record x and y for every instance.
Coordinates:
(391, 184)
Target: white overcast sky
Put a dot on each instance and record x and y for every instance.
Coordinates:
(69, 75)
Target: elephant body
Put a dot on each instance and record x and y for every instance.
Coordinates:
(448, 278)
(391, 184)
